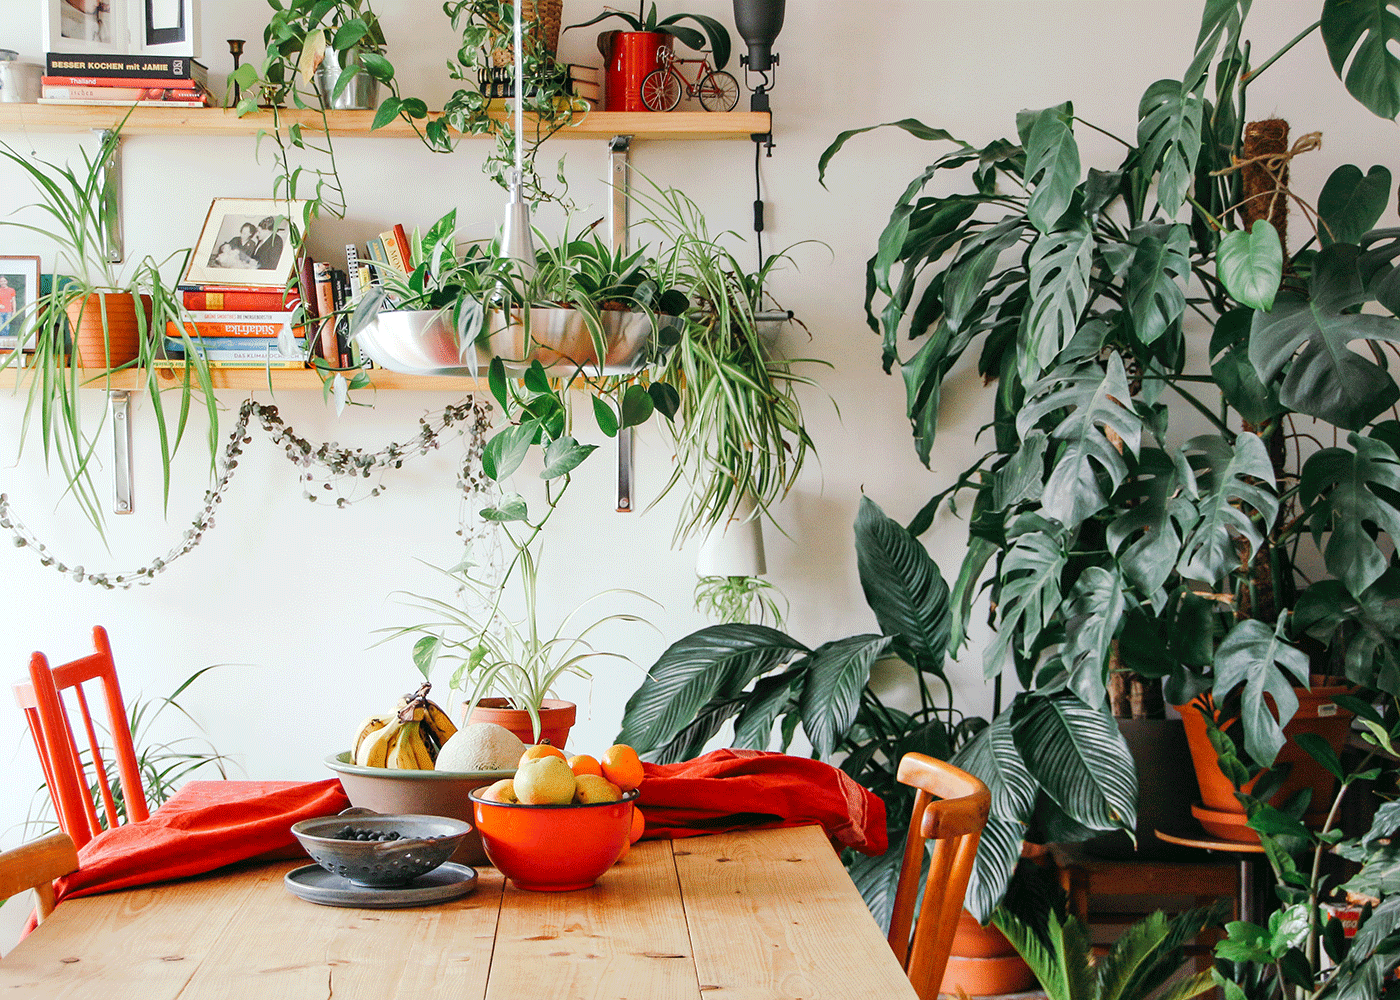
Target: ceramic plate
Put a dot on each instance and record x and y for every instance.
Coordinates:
(316, 885)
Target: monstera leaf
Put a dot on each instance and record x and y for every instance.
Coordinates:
(1239, 382)
(1156, 516)
(1169, 134)
(1366, 35)
(1350, 203)
(1100, 401)
(1030, 587)
(1346, 491)
(1380, 249)
(903, 587)
(1261, 659)
(1250, 264)
(1235, 483)
(1059, 265)
(1366, 627)
(1326, 378)
(1156, 295)
(1095, 611)
(1052, 162)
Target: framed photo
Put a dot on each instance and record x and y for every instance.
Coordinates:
(96, 27)
(19, 287)
(246, 242)
(165, 27)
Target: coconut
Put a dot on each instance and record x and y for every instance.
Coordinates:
(480, 746)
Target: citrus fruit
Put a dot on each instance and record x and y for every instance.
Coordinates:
(639, 826)
(545, 781)
(538, 750)
(584, 764)
(622, 766)
(623, 853)
(593, 788)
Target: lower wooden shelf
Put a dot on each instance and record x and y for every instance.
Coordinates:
(256, 378)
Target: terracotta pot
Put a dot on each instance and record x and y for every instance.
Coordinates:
(556, 719)
(1316, 714)
(121, 342)
(633, 57)
(983, 962)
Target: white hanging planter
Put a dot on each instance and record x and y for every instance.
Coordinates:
(736, 547)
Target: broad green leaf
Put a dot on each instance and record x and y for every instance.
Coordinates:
(564, 455)
(1236, 485)
(837, 673)
(877, 879)
(1250, 265)
(913, 126)
(1239, 382)
(379, 68)
(1326, 378)
(607, 419)
(1013, 794)
(1365, 627)
(1350, 204)
(1362, 38)
(637, 406)
(1092, 615)
(1029, 598)
(1156, 295)
(753, 729)
(964, 590)
(504, 452)
(1169, 134)
(425, 652)
(720, 659)
(970, 269)
(665, 398)
(511, 508)
(388, 110)
(1099, 400)
(1345, 490)
(1260, 658)
(903, 587)
(1080, 758)
(1221, 21)
(1052, 163)
(1148, 534)
(1059, 264)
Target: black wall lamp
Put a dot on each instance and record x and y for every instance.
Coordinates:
(759, 22)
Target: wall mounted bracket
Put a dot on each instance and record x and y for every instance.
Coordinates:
(112, 199)
(119, 402)
(619, 146)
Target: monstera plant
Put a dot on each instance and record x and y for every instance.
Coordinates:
(1142, 506)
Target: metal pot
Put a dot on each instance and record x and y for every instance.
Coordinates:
(360, 94)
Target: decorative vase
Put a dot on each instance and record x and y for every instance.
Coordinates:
(734, 548)
(1220, 812)
(106, 333)
(556, 719)
(983, 962)
(633, 57)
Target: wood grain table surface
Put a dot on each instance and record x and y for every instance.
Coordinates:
(737, 916)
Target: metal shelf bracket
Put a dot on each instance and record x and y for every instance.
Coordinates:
(619, 147)
(112, 199)
(119, 402)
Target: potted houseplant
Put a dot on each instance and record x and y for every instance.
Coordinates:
(1098, 535)
(97, 319)
(629, 56)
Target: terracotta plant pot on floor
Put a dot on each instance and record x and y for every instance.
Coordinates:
(114, 311)
(556, 719)
(983, 962)
(1220, 812)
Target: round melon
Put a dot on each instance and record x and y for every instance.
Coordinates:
(480, 746)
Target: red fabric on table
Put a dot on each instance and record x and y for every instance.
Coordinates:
(203, 826)
(751, 790)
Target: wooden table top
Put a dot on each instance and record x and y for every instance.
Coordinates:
(760, 914)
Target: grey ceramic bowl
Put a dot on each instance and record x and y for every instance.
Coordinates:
(424, 842)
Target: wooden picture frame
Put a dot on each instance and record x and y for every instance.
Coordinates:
(245, 243)
(165, 27)
(19, 287)
(94, 27)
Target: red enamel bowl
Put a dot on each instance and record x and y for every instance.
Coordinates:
(553, 848)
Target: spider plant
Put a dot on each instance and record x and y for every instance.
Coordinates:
(740, 600)
(73, 211)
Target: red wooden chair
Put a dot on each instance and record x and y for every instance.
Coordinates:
(34, 866)
(951, 808)
(44, 706)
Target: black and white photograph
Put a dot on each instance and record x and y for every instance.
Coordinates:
(246, 241)
(19, 286)
(90, 26)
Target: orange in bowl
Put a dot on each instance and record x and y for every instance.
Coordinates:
(553, 848)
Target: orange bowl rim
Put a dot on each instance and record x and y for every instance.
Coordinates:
(631, 796)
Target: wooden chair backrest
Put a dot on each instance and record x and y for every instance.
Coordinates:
(35, 865)
(42, 699)
(951, 808)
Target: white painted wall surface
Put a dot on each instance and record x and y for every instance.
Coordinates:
(287, 595)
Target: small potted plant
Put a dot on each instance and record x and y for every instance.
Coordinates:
(338, 46)
(632, 55)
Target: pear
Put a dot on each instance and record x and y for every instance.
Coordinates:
(545, 781)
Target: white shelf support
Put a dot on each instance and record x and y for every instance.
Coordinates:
(619, 146)
(119, 402)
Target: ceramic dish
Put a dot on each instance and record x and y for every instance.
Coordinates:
(316, 885)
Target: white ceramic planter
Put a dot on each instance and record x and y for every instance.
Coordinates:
(734, 548)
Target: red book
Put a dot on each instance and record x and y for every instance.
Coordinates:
(239, 299)
(401, 238)
(105, 94)
(120, 81)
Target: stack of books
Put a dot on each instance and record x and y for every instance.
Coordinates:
(586, 82)
(235, 327)
(147, 80)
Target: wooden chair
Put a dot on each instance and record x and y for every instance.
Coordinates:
(49, 725)
(951, 808)
(35, 865)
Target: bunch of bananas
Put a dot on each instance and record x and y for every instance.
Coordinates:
(408, 739)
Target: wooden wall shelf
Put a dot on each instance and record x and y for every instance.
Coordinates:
(248, 379)
(674, 125)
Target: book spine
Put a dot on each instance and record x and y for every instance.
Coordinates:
(401, 240)
(391, 252)
(340, 288)
(260, 345)
(114, 82)
(122, 94)
(352, 268)
(218, 329)
(264, 301)
(203, 102)
(280, 317)
(120, 64)
(325, 308)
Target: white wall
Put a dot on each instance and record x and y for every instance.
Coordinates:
(288, 594)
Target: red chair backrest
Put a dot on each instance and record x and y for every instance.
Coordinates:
(42, 699)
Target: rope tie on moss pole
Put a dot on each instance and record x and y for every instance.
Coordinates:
(469, 418)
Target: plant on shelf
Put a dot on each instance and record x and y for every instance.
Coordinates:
(1105, 543)
(97, 319)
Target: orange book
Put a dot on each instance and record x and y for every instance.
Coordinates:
(325, 301)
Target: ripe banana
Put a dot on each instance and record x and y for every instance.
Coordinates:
(374, 751)
(371, 725)
(422, 750)
(402, 754)
(440, 725)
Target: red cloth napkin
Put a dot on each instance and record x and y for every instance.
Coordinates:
(752, 789)
(203, 826)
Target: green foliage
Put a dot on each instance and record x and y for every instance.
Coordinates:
(714, 32)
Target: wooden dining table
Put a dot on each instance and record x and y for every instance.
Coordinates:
(756, 914)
